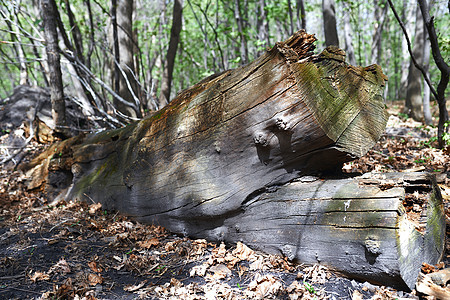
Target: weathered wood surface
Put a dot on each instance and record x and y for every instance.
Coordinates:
(216, 161)
(355, 226)
(229, 137)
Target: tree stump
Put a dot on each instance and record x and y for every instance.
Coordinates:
(215, 161)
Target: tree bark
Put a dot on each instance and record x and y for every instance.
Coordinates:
(408, 14)
(48, 8)
(348, 36)
(243, 38)
(329, 23)
(166, 81)
(238, 132)
(413, 103)
(76, 33)
(228, 160)
(301, 15)
(128, 88)
(291, 18)
(380, 15)
(426, 89)
(443, 67)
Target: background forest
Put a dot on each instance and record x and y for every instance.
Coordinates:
(121, 59)
(108, 63)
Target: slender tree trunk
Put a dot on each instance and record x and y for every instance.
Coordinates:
(166, 81)
(426, 89)
(380, 17)
(261, 24)
(408, 14)
(443, 67)
(116, 49)
(329, 23)
(48, 9)
(301, 16)
(413, 104)
(240, 23)
(91, 34)
(291, 18)
(127, 81)
(348, 36)
(24, 78)
(77, 38)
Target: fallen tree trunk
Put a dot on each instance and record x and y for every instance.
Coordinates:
(229, 137)
(203, 165)
(357, 226)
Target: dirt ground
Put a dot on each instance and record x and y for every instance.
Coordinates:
(68, 250)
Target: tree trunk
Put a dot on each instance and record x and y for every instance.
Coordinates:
(261, 25)
(235, 133)
(54, 67)
(125, 84)
(380, 15)
(301, 15)
(329, 23)
(408, 14)
(444, 69)
(348, 36)
(357, 226)
(291, 18)
(77, 37)
(413, 103)
(242, 36)
(219, 162)
(426, 89)
(166, 81)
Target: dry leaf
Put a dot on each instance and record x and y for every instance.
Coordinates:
(265, 286)
(243, 252)
(149, 243)
(37, 276)
(198, 270)
(200, 246)
(133, 288)
(427, 268)
(61, 267)
(258, 265)
(94, 279)
(357, 295)
(170, 246)
(93, 208)
(94, 267)
(220, 271)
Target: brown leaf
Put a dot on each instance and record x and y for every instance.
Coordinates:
(133, 288)
(94, 267)
(427, 268)
(243, 252)
(94, 279)
(61, 267)
(37, 276)
(198, 270)
(220, 271)
(149, 243)
(93, 208)
(357, 295)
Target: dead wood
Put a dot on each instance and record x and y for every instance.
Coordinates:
(215, 162)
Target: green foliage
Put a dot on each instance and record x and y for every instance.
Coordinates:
(210, 41)
(446, 134)
(309, 287)
(403, 116)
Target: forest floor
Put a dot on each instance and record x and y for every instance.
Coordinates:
(77, 250)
